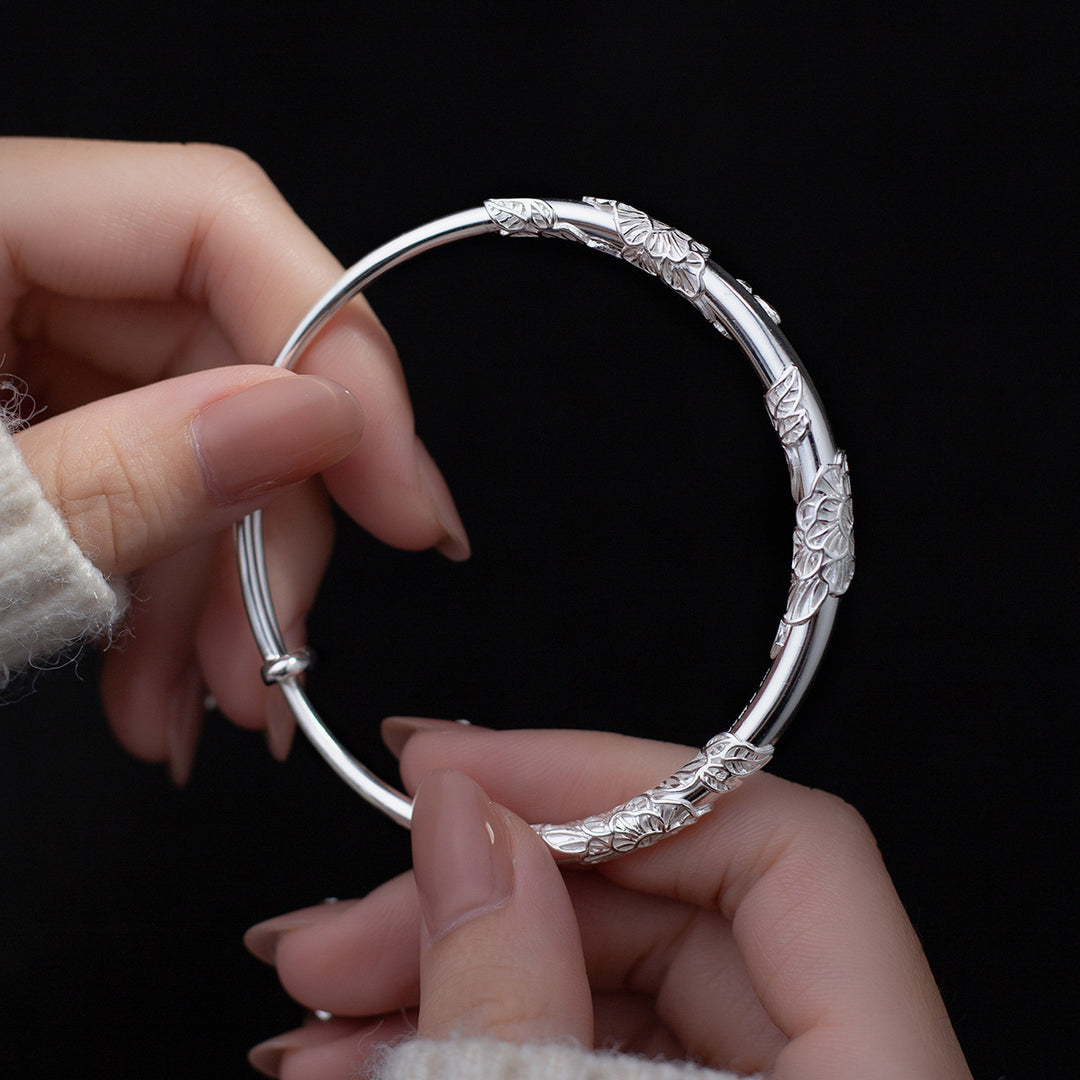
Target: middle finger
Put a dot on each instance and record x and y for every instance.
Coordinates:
(363, 959)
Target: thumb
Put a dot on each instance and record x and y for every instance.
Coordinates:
(501, 954)
(148, 472)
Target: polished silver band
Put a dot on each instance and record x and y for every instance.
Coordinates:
(823, 555)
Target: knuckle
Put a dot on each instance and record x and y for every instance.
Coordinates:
(226, 167)
(813, 839)
(235, 203)
(107, 497)
(840, 821)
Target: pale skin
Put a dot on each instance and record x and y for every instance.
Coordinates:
(143, 289)
(766, 938)
(140, 286)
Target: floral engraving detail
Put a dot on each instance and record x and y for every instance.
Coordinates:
(720, 766)
(664, 809)
(638, 823)
(651, 245)
(823, 556)
(521, 217)
(656, 248)
(783, 402)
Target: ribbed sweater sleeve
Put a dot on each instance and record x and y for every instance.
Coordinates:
(489, 1059)
(51, 595)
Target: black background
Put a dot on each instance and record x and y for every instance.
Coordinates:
(893, 180)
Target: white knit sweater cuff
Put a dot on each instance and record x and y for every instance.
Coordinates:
(51, 595)
(488, 1059)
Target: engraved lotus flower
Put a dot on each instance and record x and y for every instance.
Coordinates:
(634, 823)
(661, 250)
(638, 823)
(823, 562)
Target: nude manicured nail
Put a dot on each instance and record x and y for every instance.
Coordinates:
(185, 725)
(461, 852)
(267, 1056)
(396, 731)
(274, 433)
(280, 726)
(262, 939)
(455, 544)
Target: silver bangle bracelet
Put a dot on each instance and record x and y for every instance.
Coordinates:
(822, 562)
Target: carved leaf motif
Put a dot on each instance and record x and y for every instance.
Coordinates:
(783, 401)
(805, 561)
(719, 766)
(806, 597)
(543, 214)
(783, 632)
(730, 759)
(745, 754)
(791, 429)
(838, 575)
(823, 560)
(794, 469)
(721, 777)
(523, 216)
(597, 825)
(685, 779)
(677, 815)
(570, 840)
(784, 397)
(650, 817)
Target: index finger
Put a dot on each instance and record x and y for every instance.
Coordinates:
(203, 225)
(827, 945)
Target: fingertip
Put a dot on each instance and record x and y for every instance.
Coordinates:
(461, 852)
(185, 724)
(396, 731)
(454, 543)
(151, 687)
(262, 939)
(272, 434)
(501, 953)
(136, 730)
(267, 1056)
(330, 1047)
(280, 726)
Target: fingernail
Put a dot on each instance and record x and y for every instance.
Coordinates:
(185, 724)
(274, 433)
(455, 544)
(461, 852)
(261, 940)
(280, 726)
(396, 731)
(267, 1056)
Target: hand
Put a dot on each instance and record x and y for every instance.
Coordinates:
(766, 937)
(139, 286)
